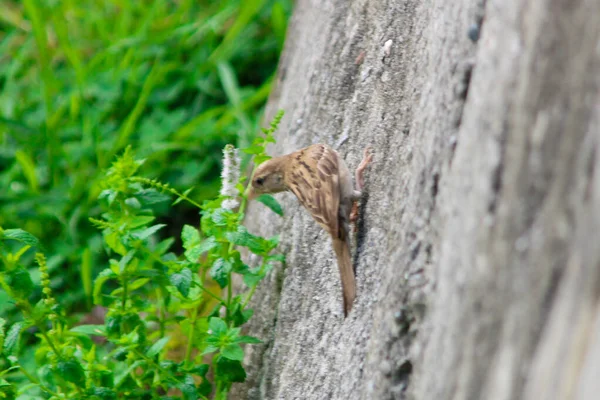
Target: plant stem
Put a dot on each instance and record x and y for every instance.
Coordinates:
(188, 350)
(214, 296)
(125, 293)
(35, 381)
(45, 335)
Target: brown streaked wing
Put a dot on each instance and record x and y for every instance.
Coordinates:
(315, 182)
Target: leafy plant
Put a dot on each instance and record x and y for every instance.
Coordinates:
(82, 80)
(152, 299)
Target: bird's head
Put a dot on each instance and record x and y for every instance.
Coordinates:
(268, 178)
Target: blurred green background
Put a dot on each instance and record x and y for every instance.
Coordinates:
(82, 79)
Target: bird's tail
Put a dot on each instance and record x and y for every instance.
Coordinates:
(342, 251)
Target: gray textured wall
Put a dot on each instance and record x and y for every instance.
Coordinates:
(478, 255)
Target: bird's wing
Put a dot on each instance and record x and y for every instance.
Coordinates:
(314, 180)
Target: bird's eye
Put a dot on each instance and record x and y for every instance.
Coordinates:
(259, 181)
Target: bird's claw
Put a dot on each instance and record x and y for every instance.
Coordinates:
(367, 159)
(360, 182)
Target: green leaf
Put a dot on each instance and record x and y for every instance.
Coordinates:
(255, 244)
(248, 339)
(182, 281)
(2, 324)
(190, 236)
(113, 324)
(200, 370)
(260, 159)
(146, 233)
(157, 347)
(233, 351)
(28, 167)
(119, 379)
(254, 149)
(251, 278)
(220, 271)
(210, 349)
(229, 370)
(86, 275)
(277, 257)
(217, 326)
(271, 202)
(239, 316)
(20, 282)
(7, 390)
(71, 371)
(222, 217)
(188, 388)
(205, 388)
(193, 254)
(162, 247)
(102, 277)
(103, 393)
(183, 196)
(113, 241)
(20, 236)
(90, 330)
(140, 221)
(11, 341)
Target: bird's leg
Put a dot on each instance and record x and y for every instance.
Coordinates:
(360, 182)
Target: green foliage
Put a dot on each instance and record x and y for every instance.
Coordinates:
(152, 298)
(82, 80)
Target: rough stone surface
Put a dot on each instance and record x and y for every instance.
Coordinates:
(478, 250)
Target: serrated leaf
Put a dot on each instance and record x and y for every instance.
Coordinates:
(157, 347)
(200, 370)
(71, 371)
(11, 341)
(20, 282)
(230, 370)
(271, 202)
(190, 236)
(182, 281)
(90, 330)
(255, 244)
(221, 216)
(194, 253)
(210, 349)
(125, 260)
(113, 241)
(248, 339)
(7, 390)
(188, 388)
(251, 278)
(99, 282)
(134, 203)
(162, 247)
(220, 271)
(119, 379)
(146, 233)
(152, 196)
(233, 351)
(217, 326)
(103, 393)
(20, 236)
(140, 220)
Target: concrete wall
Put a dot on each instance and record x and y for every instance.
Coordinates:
(478, 251)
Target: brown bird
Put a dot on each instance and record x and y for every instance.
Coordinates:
(320, 179)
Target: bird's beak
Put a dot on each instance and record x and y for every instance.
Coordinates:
(251, 193)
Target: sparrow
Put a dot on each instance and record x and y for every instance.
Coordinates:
(321, 181)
